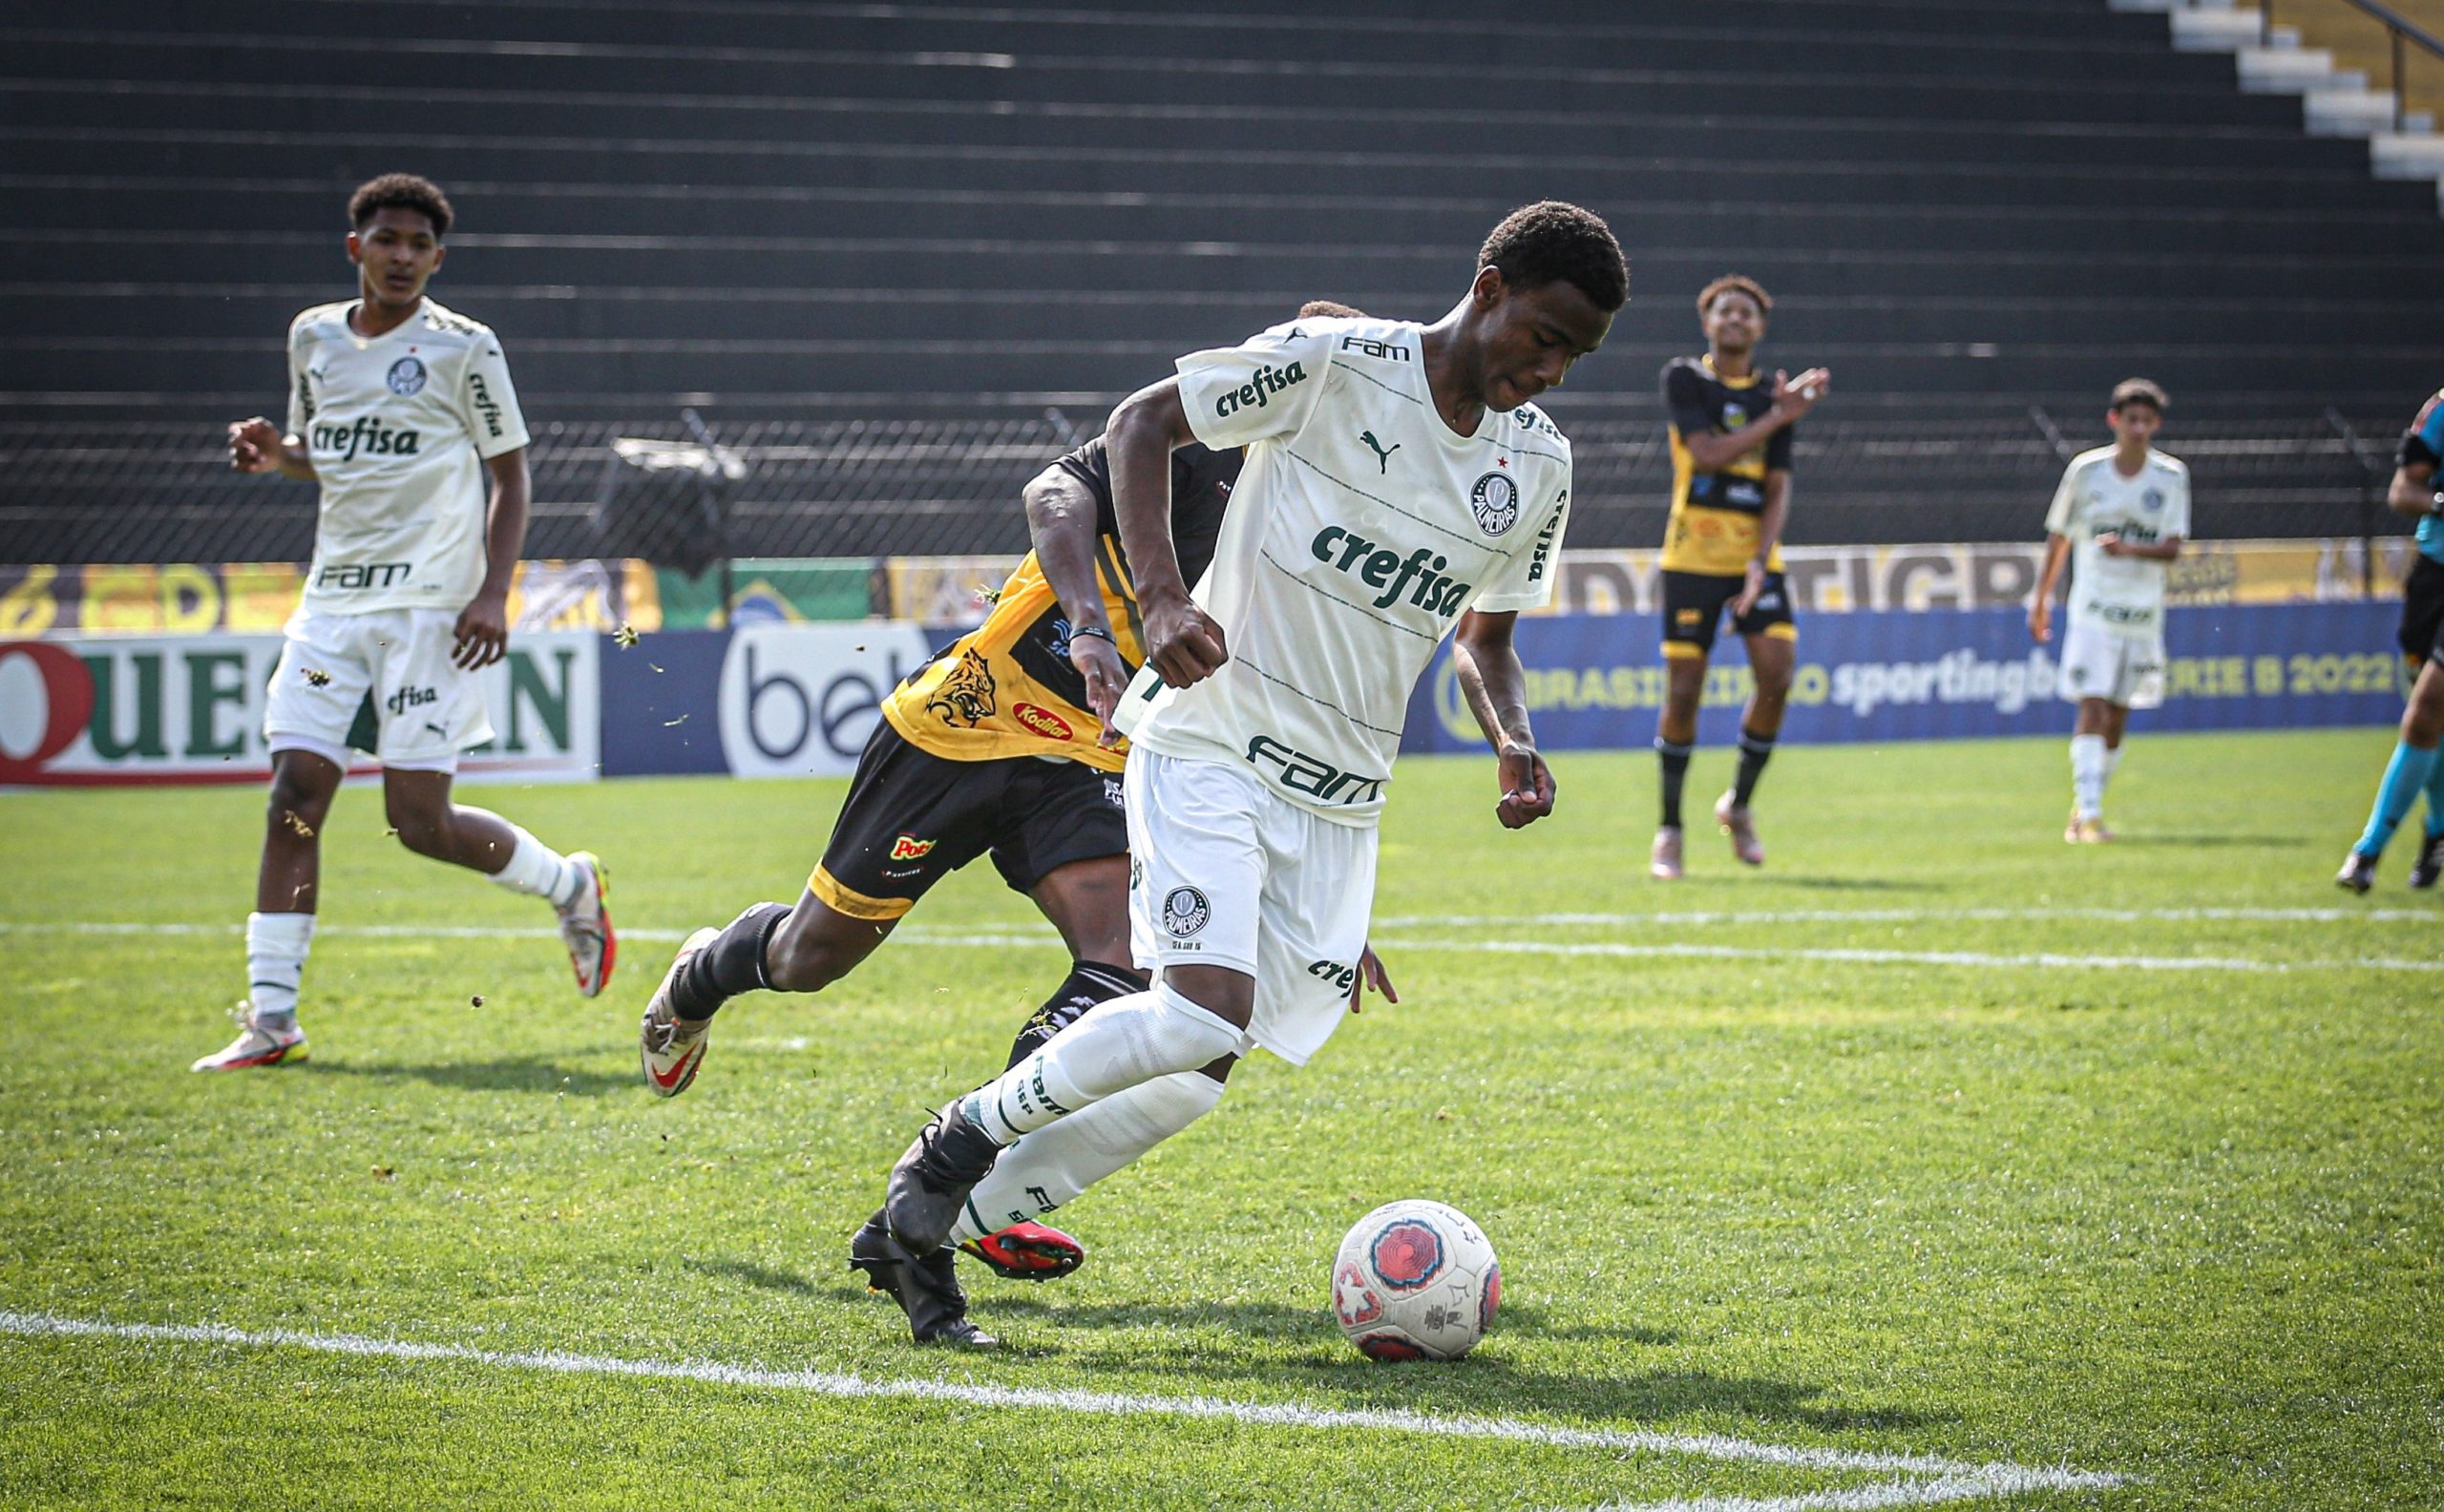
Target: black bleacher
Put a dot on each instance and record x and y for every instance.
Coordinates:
(783, 212)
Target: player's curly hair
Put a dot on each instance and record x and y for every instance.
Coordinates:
(2139, 391)
(400, 190)
(1553, 242)
(1733, 283)
(1329, 309)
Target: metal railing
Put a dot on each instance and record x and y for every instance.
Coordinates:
(2400, 32)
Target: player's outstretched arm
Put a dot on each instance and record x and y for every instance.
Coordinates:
(1183, 644)
(483, 625)
(1060, 525)
(257, 446)
(1496, 688)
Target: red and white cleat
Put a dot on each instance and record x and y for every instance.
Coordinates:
(1663, 861)
(1735, 821)
(256, 1047)
(1028, 1251)
(2086, 832)
(585, 927)
(670, 1055)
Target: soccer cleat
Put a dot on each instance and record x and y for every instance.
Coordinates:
(1663, 861)
(932, 1181)
(2086, 832)
(2430, 865)
(2358, 871)
(585, 927)
(1028, 1251)
(670, 1055)
(926, 1289)
(1734, 821)
(255, 1047)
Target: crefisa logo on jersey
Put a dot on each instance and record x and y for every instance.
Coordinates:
(1495, 502)
(406, 377)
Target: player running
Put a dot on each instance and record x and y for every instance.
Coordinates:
(397, 409)
(2120, 515)
(1732, 432)
(1397, 482)
(1002, 744)
(2414, 765)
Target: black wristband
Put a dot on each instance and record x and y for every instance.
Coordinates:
(1075, 631)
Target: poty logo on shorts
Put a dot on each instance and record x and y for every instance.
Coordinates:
(907, 848)
(1185, 912)
(1495, 503)
(406, 377)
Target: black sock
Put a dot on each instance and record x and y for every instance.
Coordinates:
(1088, 983)
(734, 963)
(1674, 760)
(1755, 751)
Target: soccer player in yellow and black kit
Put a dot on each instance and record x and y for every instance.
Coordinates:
(1001, 743)
(1731, 493)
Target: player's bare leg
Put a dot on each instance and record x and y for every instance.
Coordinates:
(282, 928)
(1676, 740)
(1771, 660)
(428, 823)
(2095, 749)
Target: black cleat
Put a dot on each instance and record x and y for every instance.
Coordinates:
(2358, 871)
(932, 1179)
(2430, 865)
(927, 1290)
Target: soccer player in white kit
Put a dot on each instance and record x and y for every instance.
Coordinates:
(397, 409)
(2120, 515)
(1398, 484)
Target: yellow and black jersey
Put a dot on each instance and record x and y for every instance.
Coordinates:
(1008, 687)
(1714, 513)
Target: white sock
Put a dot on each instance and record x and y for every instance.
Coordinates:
(1113, 1046)
(1056, 1163)
(2087, 775)
(276, 947)
(538, 870)
(2112, 763)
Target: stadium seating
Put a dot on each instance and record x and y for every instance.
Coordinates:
(787, 213)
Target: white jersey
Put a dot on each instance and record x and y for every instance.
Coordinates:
(398, 427)
(2122, 594)
(1360, 531)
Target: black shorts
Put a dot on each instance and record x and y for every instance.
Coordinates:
(1692, 606)
(913, 818)
(2422, 632)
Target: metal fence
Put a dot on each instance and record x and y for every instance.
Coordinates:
(682, 493)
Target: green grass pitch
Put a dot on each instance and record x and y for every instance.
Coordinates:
(1898, 1174)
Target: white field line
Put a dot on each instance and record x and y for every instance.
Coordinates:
(1942, 1479)
(1913, 915)
(1005, 938)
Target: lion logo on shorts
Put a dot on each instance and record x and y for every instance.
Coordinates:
(965, 697)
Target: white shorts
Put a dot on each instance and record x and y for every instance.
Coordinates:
(1223, 871)
(2121, 670)
(425, 709)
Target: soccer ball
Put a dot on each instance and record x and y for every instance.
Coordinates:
(1415, 1280)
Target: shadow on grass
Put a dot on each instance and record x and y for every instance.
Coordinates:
(1093, 1337)
(2205, 842)
(527, 1074)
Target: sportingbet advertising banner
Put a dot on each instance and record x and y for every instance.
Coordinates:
(1596, 681)
(189, 708)
(762, 700)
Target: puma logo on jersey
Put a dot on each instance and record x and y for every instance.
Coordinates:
(1383, 453)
